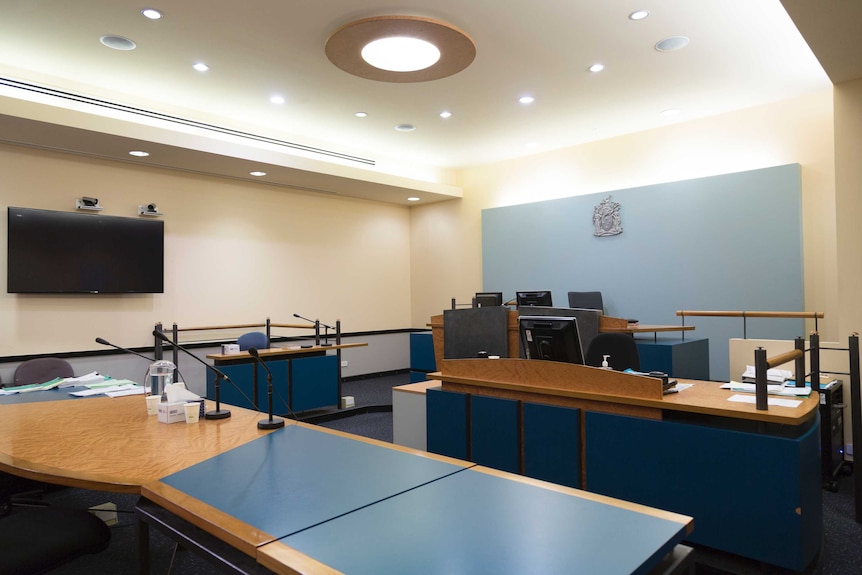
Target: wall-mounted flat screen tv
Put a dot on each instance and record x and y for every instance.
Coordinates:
(73, 252)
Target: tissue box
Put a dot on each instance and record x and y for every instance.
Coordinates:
(229, 348)
(171, 412)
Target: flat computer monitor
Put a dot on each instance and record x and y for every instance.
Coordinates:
(488, 299)
(551, 338)
(533, 298)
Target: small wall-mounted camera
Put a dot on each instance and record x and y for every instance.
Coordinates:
(149, 210)
(87, 203)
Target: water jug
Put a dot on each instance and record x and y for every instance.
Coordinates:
(160, 375)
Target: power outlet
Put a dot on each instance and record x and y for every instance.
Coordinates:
(344, 363)
(107, 512)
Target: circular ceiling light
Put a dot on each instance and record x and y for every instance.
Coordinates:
(200, 67)
(445, 114)
(405, 127)
(257, 174)
(347, 48)
(139, 153)
(401, 54)
(117, 42)
(596, 67)
(672, 43)
(413, 199)
(638, 14)
(151, 13)
(526, 99)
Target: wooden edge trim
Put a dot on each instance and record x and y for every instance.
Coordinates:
(776, 314)
(684, 520)
(783, 358)
(387, 445)
(229, 529)
(285, 560)
(215, 327)
(64, 477)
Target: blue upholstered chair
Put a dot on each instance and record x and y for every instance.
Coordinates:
(255, 339)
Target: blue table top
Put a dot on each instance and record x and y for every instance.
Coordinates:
(48, 395)
(297, 477)
(473, 522)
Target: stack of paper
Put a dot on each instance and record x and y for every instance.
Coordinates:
(772, 375)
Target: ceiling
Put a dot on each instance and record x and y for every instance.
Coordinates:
(62, 89)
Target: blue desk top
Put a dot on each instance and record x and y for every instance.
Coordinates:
(48, 395)
(472, 522)
(297, 477)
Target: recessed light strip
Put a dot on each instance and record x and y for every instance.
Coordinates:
(177, 120)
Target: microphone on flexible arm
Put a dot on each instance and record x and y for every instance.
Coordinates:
(150, 359)
(272, 422)
(317, 323)
(218, 413)
(109, 344)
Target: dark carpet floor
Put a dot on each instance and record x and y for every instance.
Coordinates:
(841, 553)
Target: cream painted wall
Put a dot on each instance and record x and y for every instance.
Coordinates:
(848, 178)
(447, 242)
(235, 254)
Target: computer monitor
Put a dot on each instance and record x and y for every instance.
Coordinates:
(551, 338)
(533, 298)
(488, 299)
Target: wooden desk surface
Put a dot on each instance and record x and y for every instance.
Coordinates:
(593, 384)
(281, 351)
(111, 444)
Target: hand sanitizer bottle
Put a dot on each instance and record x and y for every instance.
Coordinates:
(605, 362)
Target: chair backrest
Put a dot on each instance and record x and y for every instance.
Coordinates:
(586, 300)
(42, 369)
(255, 339)
(621, 347)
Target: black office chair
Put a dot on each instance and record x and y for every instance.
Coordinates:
(586, 300)
(620, 347)
(42, 369)
(37, 538)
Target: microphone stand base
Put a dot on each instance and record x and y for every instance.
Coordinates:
(273, 423)
(217, 414)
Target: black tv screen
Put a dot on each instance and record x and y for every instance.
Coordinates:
(72, 252)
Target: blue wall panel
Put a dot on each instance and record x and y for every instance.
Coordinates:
(314, 382)
(446, 423)
(552, 450)
(495, 433)
(729, 242)
(751, 494)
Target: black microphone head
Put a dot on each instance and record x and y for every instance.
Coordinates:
(161, 336)
(297, 315)
(252, 351)
(102, 341)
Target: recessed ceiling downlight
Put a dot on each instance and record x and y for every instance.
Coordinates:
(117, 42)
(151, 13)
(405, 127)
(139, 153)
(672, 43)
(413, 199)
(401, 54)
(638, 14)
(257, 174)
